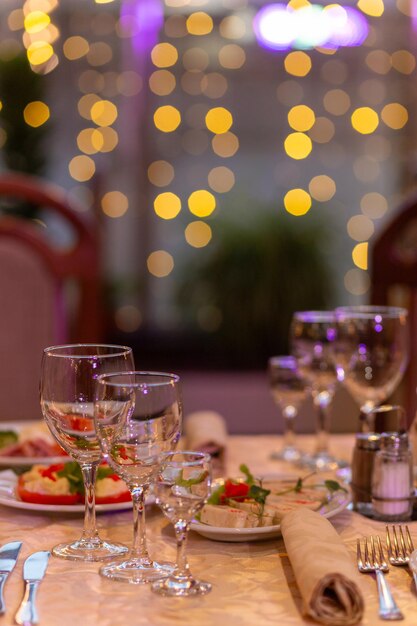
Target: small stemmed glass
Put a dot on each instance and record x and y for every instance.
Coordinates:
(138, 418)
(67, 389)
(372, 351)
(288, 390)
(181, 490)
(312, 339)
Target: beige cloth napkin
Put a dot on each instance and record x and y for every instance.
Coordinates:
(206, 431)
(324, 570)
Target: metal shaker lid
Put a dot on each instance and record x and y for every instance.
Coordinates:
(368, 441)
(383, 419)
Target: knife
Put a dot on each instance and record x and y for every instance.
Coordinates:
(34, 570)
(8, 557)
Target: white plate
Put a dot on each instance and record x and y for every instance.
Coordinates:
(9, 497)
(338, 503)
(26, 461)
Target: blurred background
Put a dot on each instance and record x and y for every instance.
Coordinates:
(235, 157)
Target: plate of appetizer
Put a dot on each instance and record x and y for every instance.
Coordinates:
(59, 488)
(249, 508)
(24, 443)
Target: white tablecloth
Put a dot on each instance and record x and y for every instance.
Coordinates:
(253, 583)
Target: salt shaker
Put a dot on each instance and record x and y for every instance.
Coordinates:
(392, 479)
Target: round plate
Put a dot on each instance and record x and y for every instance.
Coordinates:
(338, 502)
(26, 461)
(9, 497)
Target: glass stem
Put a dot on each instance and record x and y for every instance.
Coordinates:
(139, 549)
(181, 532)
(288, 435)
(89, 472)
(322, 402)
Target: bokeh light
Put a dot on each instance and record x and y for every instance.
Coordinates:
(167, 205)
(219, 120)
(232, 56)
(301, 117)
(160, 263)
(225, 145)
(164, 55)
(360, 228)
(357, 282)
(322, 188)
(298, 145)
(360, 255)
(103, 113)
(198, 234)
(365, 120)
(322, 131)
(201, 203)
(161, 173)
(297, 63)
(199, 23)
(221, 179)
(81, 168)
(114, 204)
(297, 202)
(167, 118)
(36, 113)
(75, 47)
(394, 115)
(336, 102)
(374, 205)
(162, 82)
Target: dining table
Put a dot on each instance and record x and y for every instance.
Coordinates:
(253, 583)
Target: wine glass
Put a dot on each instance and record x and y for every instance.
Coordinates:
(67, 399)
(289, 390)
(372, 349)
(138, 418)
(181, 490)
(312, 336)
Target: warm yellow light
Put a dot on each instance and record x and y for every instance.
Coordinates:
(357, 282)
(103, 113)
(322, 188)
(219, 120)
(109, 138)
(160, 263)
(221, 179)
(374, 8)
(167, 118)
(298, 145)
(85, 104)
(394, 115)
(201, 203)
(403, 61)
(297, 63)
(90, 140)
(81, 168)
(161, 173)
(39, 52)
(164, 55)
(323, 130)
(360, 255)
(374, 205)
(99, 53)
(167, 205)
(336, 101)
(75, 47)
(198, 234)
(36, 21)
(297, 202)
(36, 113)
(103, 1)
(232, 27)
(225, 145)
(360, 228)
(365, 120)
(379, 61)
(114, 204)
(199, 23)
(46, 6)
(301, 117)
(162, 82)
(232, 56)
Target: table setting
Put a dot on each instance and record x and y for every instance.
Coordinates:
(294, 548)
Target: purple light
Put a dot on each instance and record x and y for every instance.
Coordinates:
(378, 328)
(279, 27)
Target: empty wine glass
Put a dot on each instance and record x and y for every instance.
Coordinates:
(181, 490)
(138, 418)
(371, 351)
(67, 401)
(312, 338)
(289, 390)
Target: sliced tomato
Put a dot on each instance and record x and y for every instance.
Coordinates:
(79, 422)
(42, 498)
(116, 499)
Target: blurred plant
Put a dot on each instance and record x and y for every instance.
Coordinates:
(245, 288)
(23, 149)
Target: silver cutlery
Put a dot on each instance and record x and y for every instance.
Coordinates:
(8, 557)
(34, 570)
(373, 560)
(400, 548)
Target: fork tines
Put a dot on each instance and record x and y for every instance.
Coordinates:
(374, 557)
(399, 543)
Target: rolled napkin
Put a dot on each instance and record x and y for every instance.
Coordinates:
(323, 568)
(206, 431)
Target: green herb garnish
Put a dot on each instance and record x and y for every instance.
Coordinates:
(250, 480)
(73, 473)
(189, 482)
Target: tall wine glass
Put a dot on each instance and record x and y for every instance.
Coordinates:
(181, 489)
(138, 418)
(312, 338)
(372, 351)
(289, 390)
(67, 387)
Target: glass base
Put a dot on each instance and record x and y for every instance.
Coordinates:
(321, 462)
(181, 586)
(137, 571)
(288, 453)
(82, 550)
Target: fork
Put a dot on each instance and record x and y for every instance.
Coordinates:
(399, 547)
(374, 561)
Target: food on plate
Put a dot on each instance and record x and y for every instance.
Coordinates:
(32, 441)
(62, 483)
(252, 502)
